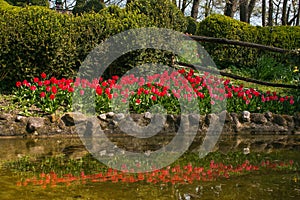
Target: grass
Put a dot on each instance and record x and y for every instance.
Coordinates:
(7, 103)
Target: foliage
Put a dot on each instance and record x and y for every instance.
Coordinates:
(220, 26)
(192, 26)
(31, 2)
(36, 39)
(88, 6)
(162, 13)
(269, 69)
(159, 13)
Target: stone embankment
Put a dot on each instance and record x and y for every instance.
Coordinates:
(253, 131)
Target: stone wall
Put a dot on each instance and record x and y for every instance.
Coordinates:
(257, 132)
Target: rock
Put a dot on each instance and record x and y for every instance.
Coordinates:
(102, 116)
(237, 124)
(290, 121)
(278, 119)
(269, 115)
(21, 119)
(53, 118)
(211, 118)
(148, 115)
(228, 117)
(5, 116)
(246, 116)
(119, 116)
(296, 118)
(70, 118)
(34, 123)
(110, 114)
(258, 118)
(246, 151)
(194, 119)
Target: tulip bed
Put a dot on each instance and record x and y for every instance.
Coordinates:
(168, 89)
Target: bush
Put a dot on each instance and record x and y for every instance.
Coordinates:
(159, 13)
(191, 26)
(32, 2)
(221, 26)
(88, 6)
(162, 13)
(34, 39)
(37, 39)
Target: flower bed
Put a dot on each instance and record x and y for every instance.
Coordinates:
(168, 89)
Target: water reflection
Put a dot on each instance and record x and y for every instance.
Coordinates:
(237, 176)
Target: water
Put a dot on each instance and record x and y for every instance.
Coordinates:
(262, 184)
(254, 186)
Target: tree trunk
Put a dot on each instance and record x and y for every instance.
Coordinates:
(207, 7)
(230, 8)
(298, 15)
(250, 9)
(195, 9)
(183, 7)
(277, 12)
(263, 13)
(284, 14)
(270, 13)
(243, 10)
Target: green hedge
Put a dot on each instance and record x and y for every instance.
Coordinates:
(220, 26)
(192, 26)
(36, 39)
(160, 13)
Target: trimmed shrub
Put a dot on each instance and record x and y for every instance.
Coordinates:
(191, 26)
(37, 39)
(162, 13)
(221, 26)
(88, 6)
(34, 39)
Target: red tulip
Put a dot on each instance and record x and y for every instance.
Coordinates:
(18, 84)
(281, 99)
(54, 89)
(154, 98)
(33, 88)
(43, 75)
(52, 96)
(35, 79)
(42, 94)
